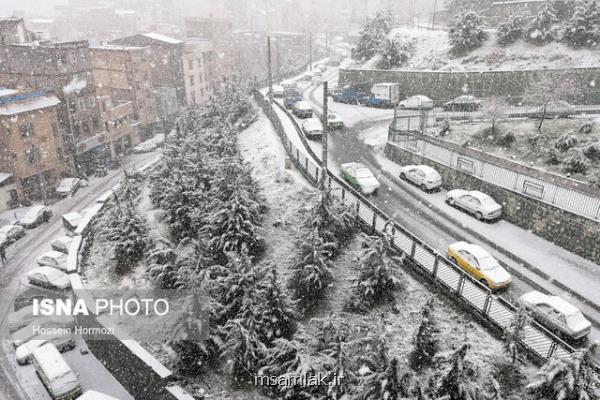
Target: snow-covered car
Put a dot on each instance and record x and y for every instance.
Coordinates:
(423, 176)
(302, 109)
(312, 128)
(49, 277)
(477, 203)
(559, 108)
(62, 244)
(307, 76)
(145, 147)
(277, 91)
(334, 121)
(32, 330)
(417, 102)
(35, 216)
(463, 103)
(53, 258)
(71, 220)
(62, 342)
(159, 139)
(68, 186)
(20, 318)
(479, 264)
(556, 314)
(94, 395)
(361, 178)
(10, 234)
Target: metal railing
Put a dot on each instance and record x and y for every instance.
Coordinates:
(539, 342)
(549, 192)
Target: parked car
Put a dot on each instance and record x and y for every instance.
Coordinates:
(93, 395)
(463, 103)
(361, 178)
(32, 330)
(54, 259)
(158, 139)
(145, 147)
(10, 234)
(479, 204)
(559, 108)
(556, 314)
(62, 244)
(67, 187)
(278, 91)
(35, 216)
(312, 128)
(349, 95)
(479, 264)
(334, 121)
(49, 277)
(24, 352)
(417, 102)
(71, 220)
(302, 109)
(54, 372)
(423, 176)
(20, 318)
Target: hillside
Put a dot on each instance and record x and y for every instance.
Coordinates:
(431, 53)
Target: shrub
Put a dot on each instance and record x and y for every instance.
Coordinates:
(466, 32)
(576, 162)
(511, 30)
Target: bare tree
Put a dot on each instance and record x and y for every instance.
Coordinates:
(495, 108)
(546, 91)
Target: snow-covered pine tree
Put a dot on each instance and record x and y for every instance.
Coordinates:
(333, 221)
(242, 352)
(574, 378)
(312, 273)
(371, 35)
(426, 340)
(583, 28)
(458, 382)
(162, 266)
(466, 32)
(541, 29)
(339, 376)
(515, 333)
(385, 384)
(511, 30)
(394, 53)
(237, 286)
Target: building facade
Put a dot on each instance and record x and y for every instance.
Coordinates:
(120, 125)
(13, 31)
(198, 69)
(31, 161)
(220, 33)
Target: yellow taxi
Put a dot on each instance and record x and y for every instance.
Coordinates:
(479, 264)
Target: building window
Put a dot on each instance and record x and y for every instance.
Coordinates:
(82, 104)
(191, 64)
(72, 57)
(96, 124)
(59, 153)
(26, 130)
(82, 55)
(191, 80)
(193, 97)
(92, 101)
(60, 59)
(85, 128)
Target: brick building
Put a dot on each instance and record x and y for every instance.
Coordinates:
(65, 70)
(220, 32)
(120, 124)
(31, 160)
(198, 69)
(123, 73)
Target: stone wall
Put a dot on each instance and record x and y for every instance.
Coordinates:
(443, 86)
(569, 231)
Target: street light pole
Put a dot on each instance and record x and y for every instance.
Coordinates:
(324, 138)
(270, 73)
(433, 18)
(310, 51)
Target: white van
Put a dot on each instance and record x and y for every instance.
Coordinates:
(55, 373)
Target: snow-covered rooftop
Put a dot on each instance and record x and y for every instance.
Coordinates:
(162, 38)
(21, 102)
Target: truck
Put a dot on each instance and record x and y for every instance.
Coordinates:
(350, 95)
(291, 95)
(384, 95)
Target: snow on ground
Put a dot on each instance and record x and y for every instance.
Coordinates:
(431, 53)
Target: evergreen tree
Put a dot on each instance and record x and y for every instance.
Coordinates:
(426, 340)
(516, 332)
(242, 352)
(237, 286)
(511, 30)
(574, 378)
(394, 53)
(371, 36)
(541, 29)
(332, 220)
(385, 385)
(338, 376)
(458, 382)
(162, 266)
(583, 28)
(466, 32)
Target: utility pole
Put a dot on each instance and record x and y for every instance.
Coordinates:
(269, 72)
(278, 58)
(433, 18)
(310, 51)
(324, 138)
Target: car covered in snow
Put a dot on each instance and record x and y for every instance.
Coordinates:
(62, 342)
(53, 258)
(312, 128)
(417, 102)
(478, 263)
(145, 147)
(423, 176)
(302, 109)
(62, 244)
(10, 234)
(20, 318)
(68, 186)
(94, 395)
(360, 178)
(35, 216)
(474, 202)
(49, 277)
(334, 121)
(277, 91)
(32, 330)
(463, 103)
(556, 314)
(71, 220)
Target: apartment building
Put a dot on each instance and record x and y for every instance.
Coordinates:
(219, 31)
(198, 69)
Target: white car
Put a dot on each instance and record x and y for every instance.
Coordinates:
(479, 204)
(557, 314)
(159, 139)
(417, 102)
(32, 330)
(35, 216)
(145, 147)
(62, 342)
(54, 259)
(49, 277)
(334, 121)
(361, 178)
(423, 176)
(277, 91)
(20, 318)
(68, 186)
(10, 234)
(302, 109)
(312, 128)
(62, 244)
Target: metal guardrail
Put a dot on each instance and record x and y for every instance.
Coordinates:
(513, 111)
(539, 342)
(551, 193)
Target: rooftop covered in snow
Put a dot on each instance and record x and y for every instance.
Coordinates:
(15, 102)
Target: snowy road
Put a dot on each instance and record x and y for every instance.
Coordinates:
(21, 382)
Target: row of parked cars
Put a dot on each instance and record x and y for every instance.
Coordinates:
(551, 311)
